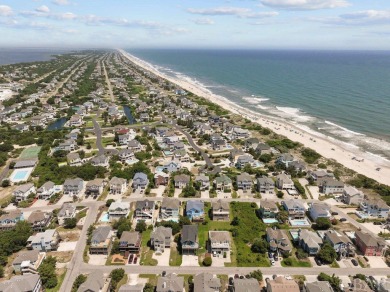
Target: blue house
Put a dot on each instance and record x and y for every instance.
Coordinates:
(195, 210)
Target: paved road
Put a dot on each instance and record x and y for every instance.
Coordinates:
(73, 268)
(98, 133)
(85, 268)
(108, 83)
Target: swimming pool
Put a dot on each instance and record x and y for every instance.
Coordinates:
(19, 175)
(269, 220)
(104, 218)
(299, 222)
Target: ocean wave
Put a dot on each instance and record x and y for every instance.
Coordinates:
(254, 100)
(294, 113)
(343, 128)
(262, 107)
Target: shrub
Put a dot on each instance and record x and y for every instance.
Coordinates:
(207, 261)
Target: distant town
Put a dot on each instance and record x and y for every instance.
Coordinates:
(116, 179)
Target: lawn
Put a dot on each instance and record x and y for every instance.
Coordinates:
(175, 259)
(146, 252)
(152, 278)
(294, 262)
(246, 232)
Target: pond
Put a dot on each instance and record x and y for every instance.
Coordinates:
(128, 114)
(57, 125)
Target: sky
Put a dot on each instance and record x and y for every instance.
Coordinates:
(249, 24)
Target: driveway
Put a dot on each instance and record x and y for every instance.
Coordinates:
(190, 261)
(222, 195)
(40, 203)
(376, 262)
(177, 193)
(97, 259)
(163, 259)
(220, 261)
(159, 191)
(314, 192)
(205, 195)
(67, 246)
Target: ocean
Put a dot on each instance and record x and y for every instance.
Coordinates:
(18, 55)
(343, 95)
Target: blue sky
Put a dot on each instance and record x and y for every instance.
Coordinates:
(310, 24)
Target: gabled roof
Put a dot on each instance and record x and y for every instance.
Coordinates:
(101, 233)
(195, 204)
(189, 233)
(170, 203)
(206, 282)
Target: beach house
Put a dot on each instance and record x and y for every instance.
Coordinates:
(284, 182)
(73, 187)
(265, 185)
(203, 181)
(118, 186)
(189, 239)
(170, 283)
(181, 181)
(219, 243)
(170, 209)
(352, 196)
(23, 283)
(140, 182)
(280, 283)
(101, 240)
(375, 208)
(118, 210)
(223, 183)
(206, 282)
(46, 190)
(220, 210)
(130, 242)
(295, 209)
(309, 241)
(319, 210)
(244, 182)
(331, 186)
(195, 210)
(268, 209)
(67, 211)
(369, 245)
(23, 191)
(278, 241)
(44, 241)
(161, 238)
(9, 219)
(94, 187)
(144, 210)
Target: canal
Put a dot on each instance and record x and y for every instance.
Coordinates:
(57, 125)
(128, 114)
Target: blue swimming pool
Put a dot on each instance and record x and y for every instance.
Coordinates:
(269, 220)
(21, 175)
(300, 222)
(105, 218)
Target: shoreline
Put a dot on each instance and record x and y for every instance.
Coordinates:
(320, 143)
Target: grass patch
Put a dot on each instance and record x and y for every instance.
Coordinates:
(294, 262)
(104, 195)
(122, 282)
(334, 265)
(60, 279)
(146, 252)
(175, 258)
(152, 278)
(245, 233)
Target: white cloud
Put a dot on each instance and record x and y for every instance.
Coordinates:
(61, 2)
(204, 21)
(5, 10)
(43, 9)
(66, 15)
(305, 4)
(365, 17)
(235, 11)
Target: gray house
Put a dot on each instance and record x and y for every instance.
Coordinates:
(206, 282)
(170, 283)
(189, 239)
(244, 182)
(181, 181)
(161, 238)
(265, 185)
(204, 182)
(140, 181)
(310, 241)
(73, 187)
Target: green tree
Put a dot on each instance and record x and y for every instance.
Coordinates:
(121, 225)
(301, 254)
(327, 254)
(116, 276)
(1, 272)
(208, 261)
(266, 158)
(235, 221)
(141, 226)
(282, 216)
(47, 272)
(333, 281)
(257, 274)
(70, 223)
(109, 202)
(149, 288)
(323, 223)
(260, 246)
(78, 282)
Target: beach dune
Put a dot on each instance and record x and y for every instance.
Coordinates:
(350, 157)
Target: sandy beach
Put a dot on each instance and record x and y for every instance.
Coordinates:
(350, 157)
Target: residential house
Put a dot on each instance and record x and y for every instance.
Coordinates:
(25, 163)
(44, 241)
(239, 133)
(284, 182)
(244, 160)
(100, 160)
(172, 166)
(368, 244)
(278, 241)
(118, 210)
(206, 282)
(101, 240)
(320, 174)
(181, 181)
(285, 159)
(235, 153)
(263, 148)
(189, 239)
(161, 238)
(244, 182)
(96, 282)
(170, 209)
(359, 285)
(220, 210)
(352, 196)
(68, 211)
(265, 185)
(24, 283)
(28, 262)
(135, 146)
(118, 186)
(23, 191)
(280, 284)
(170, 283)
(130, 242)
(341, 244)
(318, 286)
(219, 243)
(268, 209)
(144, 210)
(246, 285)
(319, 210)
(195, 210)
(204, 182)
(94, 187)
(68, 145)
(73, 187)
(223, 183)
(74, 159)
(295, 209)
(161, 178)
(375, 208)
(140, 182)
(46, 190)
(8, 220)
(332, 186)
(39, 220)
(126, 154)
(309, 241)
(251, 143)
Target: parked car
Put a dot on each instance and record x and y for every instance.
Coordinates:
(276, 258)
(377, 223)
(135, 260)
(335, 213)
(236, 276)
(131, 258)
(231, 281)
(354, 262)
(343, 219)
(318, 262)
